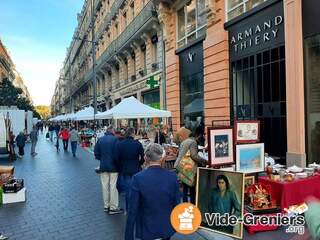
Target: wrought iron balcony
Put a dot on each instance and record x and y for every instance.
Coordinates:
(147, 13)
(133, 30)
(97, 5)
(113, 11)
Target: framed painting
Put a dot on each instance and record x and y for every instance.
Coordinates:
(247, 131)
(220, 146)
(250, 158)
(248, 181)
(212, 184)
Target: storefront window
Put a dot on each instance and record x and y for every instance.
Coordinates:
(312, 73)
(237, 7)
(192, 99)
(152, 98)
(191, 22)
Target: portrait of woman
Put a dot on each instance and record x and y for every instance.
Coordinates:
(221, 192)
(224, 200)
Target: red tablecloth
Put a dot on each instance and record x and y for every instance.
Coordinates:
(291, 193)
(261, 228)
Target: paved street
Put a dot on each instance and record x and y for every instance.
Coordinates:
(64, 201)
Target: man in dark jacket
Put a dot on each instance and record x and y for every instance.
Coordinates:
(154, 194)
(105, 150)
(21, 142)
(131, 157)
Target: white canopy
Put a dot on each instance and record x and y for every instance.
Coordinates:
(132, 108)
(84, 114)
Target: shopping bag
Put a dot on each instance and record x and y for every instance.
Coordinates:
(187, 170)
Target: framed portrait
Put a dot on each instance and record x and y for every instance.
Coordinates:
(220, 146)
(250, 158)
(247, 131)
(220, 194)
(248, 180)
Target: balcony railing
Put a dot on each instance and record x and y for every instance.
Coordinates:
(114, 9)
(148, 13)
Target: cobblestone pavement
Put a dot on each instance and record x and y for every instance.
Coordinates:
(64, 200)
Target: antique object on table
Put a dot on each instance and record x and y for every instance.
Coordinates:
(258, 197)
(295, 169)
(269, 170)
(171, 152)
(289, 177)
(6, 172)
(13, 186)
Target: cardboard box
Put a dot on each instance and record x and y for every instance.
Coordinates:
(14, 197)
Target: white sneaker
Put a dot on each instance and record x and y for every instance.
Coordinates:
(3, 237)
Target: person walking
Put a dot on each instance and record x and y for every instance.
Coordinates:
(57, 131)
(106, 152)
(21, 142)
(131, 158)
(51, 129)
(74, 139)
(154, 194)
(190, 145)
(34, 140)
(64, 134)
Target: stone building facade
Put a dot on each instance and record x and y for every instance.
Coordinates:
(128, 55)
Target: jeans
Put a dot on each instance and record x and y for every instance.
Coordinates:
(65, 144)
(21, 151)
(109, 190)
(189, 191)
(51, 135)
(74, 147)
(33, 147)
(127, 182)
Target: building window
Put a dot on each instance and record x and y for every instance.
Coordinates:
(191, 22)
(312, 72)
(238, 7)
(125, 23)
(132, 9)
(152, 98)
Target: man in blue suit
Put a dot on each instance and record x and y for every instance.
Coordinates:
(131, 157)
(105, 151)
(154, 194)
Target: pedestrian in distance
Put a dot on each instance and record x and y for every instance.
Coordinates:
(65, 135)
(34, 140)
(21, 142)
(105, 151)
(131, 158)
(57, 130)
(74, 139)
(154, 194)
(51, 130)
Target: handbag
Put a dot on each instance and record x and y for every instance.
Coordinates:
(187, 170)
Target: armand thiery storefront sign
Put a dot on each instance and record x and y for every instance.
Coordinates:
(257, 31)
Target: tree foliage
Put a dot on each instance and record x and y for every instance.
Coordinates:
(12, 96)
(44, 111)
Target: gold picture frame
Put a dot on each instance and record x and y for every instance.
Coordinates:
(206, 189)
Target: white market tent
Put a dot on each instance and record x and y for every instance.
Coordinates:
(131, 108)
(85, 114)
